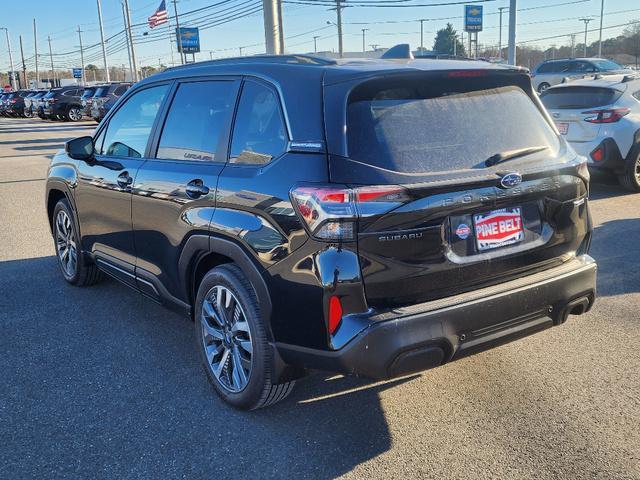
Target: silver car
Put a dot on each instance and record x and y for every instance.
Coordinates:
(551, 72)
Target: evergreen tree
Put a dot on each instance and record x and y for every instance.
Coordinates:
(444, 41)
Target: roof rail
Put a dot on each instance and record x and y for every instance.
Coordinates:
(630, 77)
(276, 59)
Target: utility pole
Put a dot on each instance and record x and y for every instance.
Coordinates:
(175, 10)
(339, 14)
(133, 48)
(35, 45)
(422, 20)
(53, 75)
(363, 40)
(600, 38)
(315, 43)
(104, 48)
(13, 73)
(83, 78)
(280, 27)
(126, 34)
(586, 23)
(240, 48)
(210, 54)
(500, 9)
(512, 31)
(271, 27)
(24, 66)
(573, 45)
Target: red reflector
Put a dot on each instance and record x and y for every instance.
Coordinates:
(335, 314)
(597, 154)
(467, 73)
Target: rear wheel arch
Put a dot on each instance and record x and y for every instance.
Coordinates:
(219, 252)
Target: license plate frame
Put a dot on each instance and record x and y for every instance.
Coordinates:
(498, 228)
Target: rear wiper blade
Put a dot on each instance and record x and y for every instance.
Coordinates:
(511, 154)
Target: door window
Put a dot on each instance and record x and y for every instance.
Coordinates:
(196, 120)
(259, 133)
(129, 128)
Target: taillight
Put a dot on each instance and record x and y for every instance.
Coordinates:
(467, 73)
(331, 212)
(605, 116)
(14, 100)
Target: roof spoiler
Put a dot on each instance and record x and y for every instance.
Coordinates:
(400, 51)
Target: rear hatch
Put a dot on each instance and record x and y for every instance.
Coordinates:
(570, 106)
(451, 221)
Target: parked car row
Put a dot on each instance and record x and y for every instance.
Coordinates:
(600, 118)
(69, 103)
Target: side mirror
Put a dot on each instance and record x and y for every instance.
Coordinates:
(80, 148)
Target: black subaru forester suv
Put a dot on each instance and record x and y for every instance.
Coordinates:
(374, 218)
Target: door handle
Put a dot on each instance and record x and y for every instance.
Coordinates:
(196, 188)
(124, 180)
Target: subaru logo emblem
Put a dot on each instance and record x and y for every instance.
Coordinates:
(511, 180)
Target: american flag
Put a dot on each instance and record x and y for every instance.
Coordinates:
(160, 16)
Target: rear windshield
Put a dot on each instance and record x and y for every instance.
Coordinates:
(579, 97)
(88, 92)
(442, 126)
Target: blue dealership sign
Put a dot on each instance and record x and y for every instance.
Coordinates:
(77, 73)
(190, 39)
(473, 18)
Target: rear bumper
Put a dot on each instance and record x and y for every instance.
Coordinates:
(611, 157)
(411, 339)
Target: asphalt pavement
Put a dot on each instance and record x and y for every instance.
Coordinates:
(102, 383)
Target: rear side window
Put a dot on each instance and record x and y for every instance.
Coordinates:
(606, 65)
(129, 128)
(259, 133)
(579, 97)
(547, 68)
(120, 90)
(432, 126)
(197, 118)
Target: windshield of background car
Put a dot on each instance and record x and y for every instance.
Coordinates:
(606, 65)
(88, 92)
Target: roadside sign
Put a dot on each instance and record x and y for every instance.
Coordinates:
(190, 39)
(473, 18)
(77, 73)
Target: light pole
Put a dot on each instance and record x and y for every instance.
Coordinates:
(364, 49)
(500, 9)
(600, 38)
(83, 78)
(13, 74)
(339, 25)
(512, 31)
(104, 48)
(422, 20)
(586, 23)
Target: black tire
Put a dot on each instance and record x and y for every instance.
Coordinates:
(84, 274)
(543, 86)
(630, 179)
(28, 113)
(260, 390)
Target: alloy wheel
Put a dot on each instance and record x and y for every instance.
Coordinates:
(226, 339)
(637, 170)
(66, 244)
(74, 114)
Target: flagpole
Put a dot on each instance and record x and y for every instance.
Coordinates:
(170, 41)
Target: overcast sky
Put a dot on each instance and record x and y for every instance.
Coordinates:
(60, 20)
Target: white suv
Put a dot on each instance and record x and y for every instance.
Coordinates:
(552, 72)
(600, 118)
